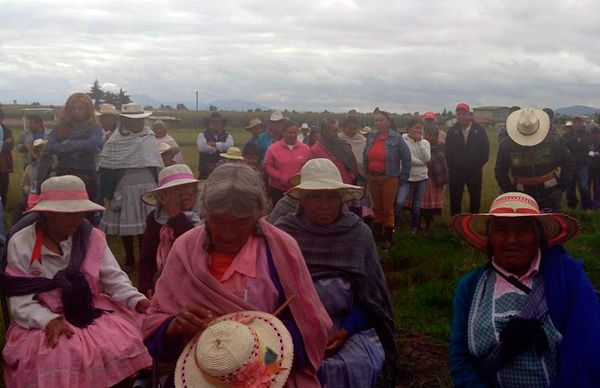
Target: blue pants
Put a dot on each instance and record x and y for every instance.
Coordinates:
(581, 179)
(418, 192)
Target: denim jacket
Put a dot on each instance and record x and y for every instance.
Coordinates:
(79, 150)
(397, 155)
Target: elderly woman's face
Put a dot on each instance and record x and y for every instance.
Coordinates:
(322, 207)
(63, 225)
(228, 233)
(159, 129)
(514, 242)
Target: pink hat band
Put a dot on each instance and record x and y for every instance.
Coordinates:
(63, 195)
(173, 177)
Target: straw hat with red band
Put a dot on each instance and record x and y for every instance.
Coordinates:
(473, 228)
(244, 349)
(175, 175)
(64, 194)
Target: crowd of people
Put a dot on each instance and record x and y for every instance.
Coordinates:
(263, 270)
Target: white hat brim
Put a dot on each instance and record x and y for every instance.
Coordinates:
(348, 192)
(149, 197)
(66, 206)
(271, 332)
(234, 157)
(136, 115)
(531, 140)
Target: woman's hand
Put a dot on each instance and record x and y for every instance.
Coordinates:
(142, 306)
(190, 321)
(169, 200)
(54, 329)
(336, 341)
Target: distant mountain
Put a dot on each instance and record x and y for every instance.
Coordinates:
(236, 105)
(577, 110)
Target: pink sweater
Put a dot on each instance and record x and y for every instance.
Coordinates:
(281, 162)
(320, 151)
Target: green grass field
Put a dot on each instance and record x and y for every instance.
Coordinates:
(422, 271)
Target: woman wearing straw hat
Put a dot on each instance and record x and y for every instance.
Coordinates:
(129, 165)
(529, 317)
(160, 130)
(76, 314)
(211, 143)
(236, 261)
(341, 256)
(175, 214)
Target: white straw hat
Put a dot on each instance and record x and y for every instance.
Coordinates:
(107, 109)
(175, 175)
(64, 194)
(304, 126)
(366, 130)
(322, 174)
(232, 153)
(237, 350)
(276, 116)
(528, 126)
(164, 147)
(134, 111)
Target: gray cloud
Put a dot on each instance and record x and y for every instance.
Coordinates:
(336, 54)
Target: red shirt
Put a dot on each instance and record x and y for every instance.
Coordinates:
(376, 155)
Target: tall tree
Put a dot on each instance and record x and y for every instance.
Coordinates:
(122, 98)
(96, 94)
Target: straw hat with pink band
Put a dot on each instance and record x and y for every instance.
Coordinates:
(239, 350)
(64, 194)
(175, 175)
(473, 228)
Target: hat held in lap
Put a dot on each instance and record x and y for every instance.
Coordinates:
(244, 349)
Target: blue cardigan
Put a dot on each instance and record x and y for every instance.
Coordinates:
(574, 310)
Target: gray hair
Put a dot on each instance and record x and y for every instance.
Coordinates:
(236, 189)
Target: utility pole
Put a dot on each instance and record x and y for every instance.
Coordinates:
(196, 100)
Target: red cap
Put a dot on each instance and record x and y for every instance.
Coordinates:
(429, 116)
(463, 106)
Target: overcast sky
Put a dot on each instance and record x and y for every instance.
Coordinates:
(409, 55)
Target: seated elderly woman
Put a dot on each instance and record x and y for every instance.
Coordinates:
(236, 261)
(342, 259)
(66, 332)
(175, 214)
(530, 316)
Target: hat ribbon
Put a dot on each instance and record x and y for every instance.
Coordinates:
(505, 210)
(172, 177)
(63, 195)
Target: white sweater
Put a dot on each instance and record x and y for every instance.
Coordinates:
(420, 152)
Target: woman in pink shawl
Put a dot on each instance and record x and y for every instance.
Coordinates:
(236, 261)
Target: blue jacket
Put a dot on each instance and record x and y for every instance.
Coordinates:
(574, 310)
(397, 155)
(79, 150)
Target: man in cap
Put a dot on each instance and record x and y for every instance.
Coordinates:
(467, 151)
(272, 134)
(578, 142)
(533, 160)
(211, 143)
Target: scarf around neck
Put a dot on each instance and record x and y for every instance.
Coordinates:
(341, 150)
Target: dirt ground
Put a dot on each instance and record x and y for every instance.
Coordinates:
(422, 363)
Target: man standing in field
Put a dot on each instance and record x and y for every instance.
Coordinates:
(272, 134)
(467, 151)
(578, 142)
(533, 160)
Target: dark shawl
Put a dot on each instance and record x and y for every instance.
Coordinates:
(343, 151)
(438, 170)
(347, 249)
(77, 296)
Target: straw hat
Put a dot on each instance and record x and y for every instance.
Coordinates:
(473, 227)
(175, 175)
(276, 116)
(134, 111)
(528, 126)
(253, 123)
(64, 194)
(322, 174)
(38, 144)
(304, 126)
(366, 130)
(235, 350)
(232, 153)
(107, 109)
(164, 147)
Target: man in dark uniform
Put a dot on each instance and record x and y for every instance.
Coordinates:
(467, 151)
(534, 160)
(578, 142)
